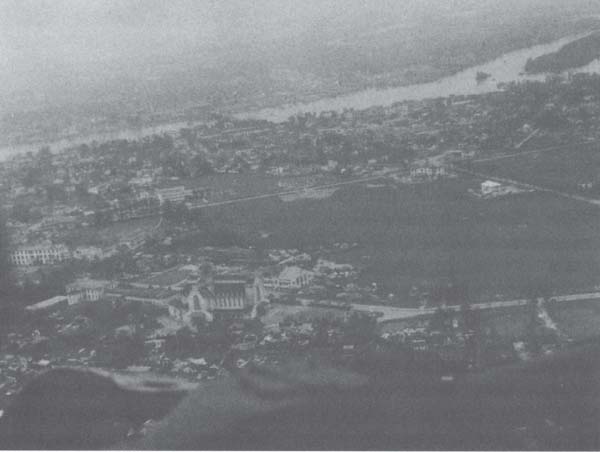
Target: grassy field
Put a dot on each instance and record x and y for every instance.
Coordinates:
(111, 234)
(561, 169)
(437, 231)
(577, 320)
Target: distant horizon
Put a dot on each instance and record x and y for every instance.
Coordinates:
(51, 47)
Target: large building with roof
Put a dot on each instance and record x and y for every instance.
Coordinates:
(174, 194)
(86, 289)
(225, 297)
(39, 255)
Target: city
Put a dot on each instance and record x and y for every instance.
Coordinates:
(442, 241)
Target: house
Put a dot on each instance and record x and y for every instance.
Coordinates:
(88, 253)
(490, 187)
(87, 289)
(427, 172)
(134, 239)
(289, 278)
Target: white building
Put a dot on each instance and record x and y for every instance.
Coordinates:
(289, 278)
(87, 289)
(428, 171)
(174, 194)
(489, 187)
(39, 255)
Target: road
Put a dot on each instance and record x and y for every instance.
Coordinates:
(298, 190)
(382, 176)
(531, 151)
(527, 186)
(391, 313)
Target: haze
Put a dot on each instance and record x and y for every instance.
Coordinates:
(48, 47)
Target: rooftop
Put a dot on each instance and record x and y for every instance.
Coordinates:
(167, 278)
(292, 273)
(87, 283)
(47, 303)
(150, 294)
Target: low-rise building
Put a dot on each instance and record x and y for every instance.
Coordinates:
(87, 289)
(289, 278)
(158, 297)
(427, 172)
(88, 253)
(490, 187)
(174, 194)
(133, 240)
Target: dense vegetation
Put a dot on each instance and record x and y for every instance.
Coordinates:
(572, 55)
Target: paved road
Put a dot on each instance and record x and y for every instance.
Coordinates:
(391, 313)
(532, 151)
(298, 190)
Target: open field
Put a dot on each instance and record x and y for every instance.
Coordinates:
(111, 234)
(560, 169)
(433, 232)
(579, 320)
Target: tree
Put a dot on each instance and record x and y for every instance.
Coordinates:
(44, 158)
(360, 328)
(440, 321)
(121, 351)
(6, 278)
(9, 309)
(21, 212)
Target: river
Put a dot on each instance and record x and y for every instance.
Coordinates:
(124, 134)
(504, 69)
(507, 68)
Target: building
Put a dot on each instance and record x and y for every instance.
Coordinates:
(133, 240)
(87, 289)
(489, 187)
(88, 253)
(174, 279)
(39, 255)
(427, 172)
(176, 194)
(289, 278)
(158, 297)
(226, 297)
(51, 303)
